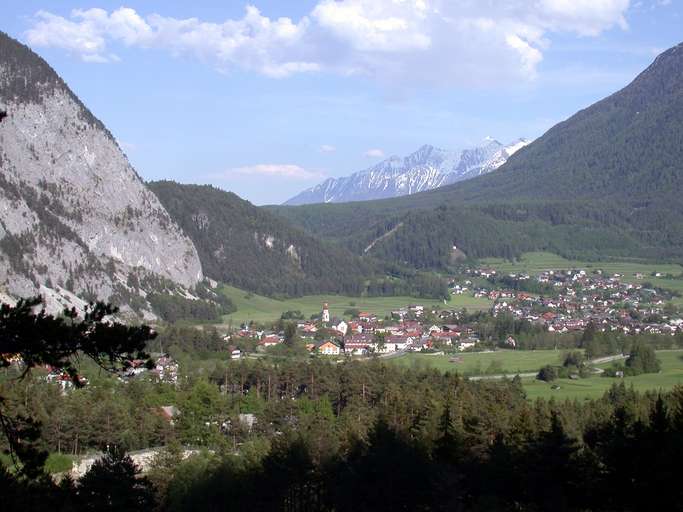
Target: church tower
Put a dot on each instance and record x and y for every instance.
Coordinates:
(326, 313)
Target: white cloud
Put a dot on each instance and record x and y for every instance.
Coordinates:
(254, 42)
(399, 42)
(374, 153)
(375, 25)
(584, 17)
(326, 148)
(273, 170)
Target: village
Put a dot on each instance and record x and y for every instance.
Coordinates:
(555, 301)
(573, 299)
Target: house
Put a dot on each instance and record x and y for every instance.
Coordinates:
(411, 326)
(270, 341)
(329, 348)
(235, 354)
(467, 343)
(444, 337)
(396, 343)
(166, 369)
(310, 328)
(169, 413)
(355, 327)
(399, 313)
(342, 327)
(356, 348)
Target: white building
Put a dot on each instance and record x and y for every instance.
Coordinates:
(342, 327)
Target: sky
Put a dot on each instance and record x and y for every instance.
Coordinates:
(270, 97)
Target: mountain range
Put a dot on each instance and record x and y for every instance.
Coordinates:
(425, 169)
(77, 223)
(604, 183)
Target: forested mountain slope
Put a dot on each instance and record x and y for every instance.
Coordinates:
(250, 248)
(603, 183)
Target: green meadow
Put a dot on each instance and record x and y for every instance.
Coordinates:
(525, 361)
(594, 387)
(264, 309)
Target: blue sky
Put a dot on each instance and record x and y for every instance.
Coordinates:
(271, 97)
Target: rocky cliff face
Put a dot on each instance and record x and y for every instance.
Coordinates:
(73, 212)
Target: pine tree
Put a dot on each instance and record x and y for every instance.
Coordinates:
(114, 483)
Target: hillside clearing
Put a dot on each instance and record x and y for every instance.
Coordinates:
(251, 307)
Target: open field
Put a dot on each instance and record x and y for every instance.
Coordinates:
(521, 361)
(263, 309)
(595, 387)
(477, 363)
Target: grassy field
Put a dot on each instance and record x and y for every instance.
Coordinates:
(595, 387)
(477, 363)
(536, 262)
(264, 309)
(521, 361)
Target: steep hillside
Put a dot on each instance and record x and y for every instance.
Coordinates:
(627, 146)
(425, 169)
(74, 215)
(603, 183)
(248, 247)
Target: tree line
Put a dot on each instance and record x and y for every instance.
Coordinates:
(293, 435)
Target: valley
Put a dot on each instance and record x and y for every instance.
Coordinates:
(251, 307)
(498, 327)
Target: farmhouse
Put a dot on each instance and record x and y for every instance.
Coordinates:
(329, 348)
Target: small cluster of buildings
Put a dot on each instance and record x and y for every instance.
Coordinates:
(367, 334)
(62, 378)
(573, 299)
(561, 301)
(165, 369)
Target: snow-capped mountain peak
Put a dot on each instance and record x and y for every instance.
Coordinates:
(426, 168)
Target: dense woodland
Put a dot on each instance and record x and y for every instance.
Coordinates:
(250, 248)
(366, 436)
(295, 434)
(424, 238)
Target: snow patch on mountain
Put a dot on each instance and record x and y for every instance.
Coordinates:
(427, 168)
